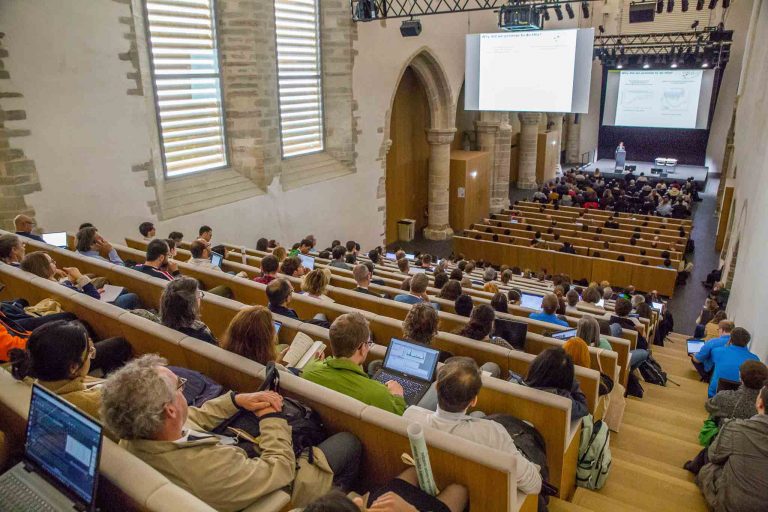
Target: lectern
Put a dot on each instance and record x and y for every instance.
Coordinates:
(621, 158)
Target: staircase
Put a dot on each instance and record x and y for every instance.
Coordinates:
(658, 435)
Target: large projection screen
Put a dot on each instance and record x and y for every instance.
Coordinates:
(531, 71)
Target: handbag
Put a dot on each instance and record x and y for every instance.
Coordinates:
(43, 308)
(615, 403)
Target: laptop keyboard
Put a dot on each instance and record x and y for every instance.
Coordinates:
(16, 496)
(411, 389)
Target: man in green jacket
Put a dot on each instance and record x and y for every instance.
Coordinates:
(350, 343)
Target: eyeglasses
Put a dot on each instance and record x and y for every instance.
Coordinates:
(200, 294)
(180, 384)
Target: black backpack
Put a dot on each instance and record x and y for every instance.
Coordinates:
(307, 428)
(652, 372)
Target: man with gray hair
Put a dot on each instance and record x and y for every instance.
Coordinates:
(419, 284)
(24, 224)
(144, 405)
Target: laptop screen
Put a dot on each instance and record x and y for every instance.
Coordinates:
(390, 256)
(531, 301)
(278, 325)
(694, 346)
(57, 239)
(411, 359)
(417, 270)
(216, 259)
(64, 443)
(658, 306)
(517, 330)
(410, 256)
(563, 335)
(307, 261)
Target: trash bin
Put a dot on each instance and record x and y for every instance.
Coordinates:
(406, 229)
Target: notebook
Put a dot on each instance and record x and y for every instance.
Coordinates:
(57, 239)
(412, 365)
(216, 259)
(60, 465)
(307, 261)
(531, 301)
(301, 351)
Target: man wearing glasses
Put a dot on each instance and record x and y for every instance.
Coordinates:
(350, 342)
(24, 225)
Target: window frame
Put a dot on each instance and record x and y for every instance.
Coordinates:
(156, 98)
(320, 68)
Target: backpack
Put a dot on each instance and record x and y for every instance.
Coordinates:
(307, 429)
(594, 454)
(199, 388)
(652, 372)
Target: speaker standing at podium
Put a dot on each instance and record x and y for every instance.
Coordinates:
(621, 157)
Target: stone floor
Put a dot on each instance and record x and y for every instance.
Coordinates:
(688, 299)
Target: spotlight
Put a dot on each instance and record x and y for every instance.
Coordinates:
(366, 10)
(659, 6)
(620, 63)
(585, 8)
(410, 28)
(695, 24)
(684, 5)
(545, 12)
(699, 5)
(712, 5)
(601, 29)
(569, 10)
(674, 63)
(670, 5)
(559, 12)
(646, 63)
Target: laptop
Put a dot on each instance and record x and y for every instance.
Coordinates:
(563, 335)
(531, 301)
(513, 332)
(600, 303)
(216, 259)
(658, 306)
(390, 256)
(307, 261)
(60, 467)
(57, 239)
(410, 257)
(278, 325)
(694, 346)
(417, 270)
(412, 365)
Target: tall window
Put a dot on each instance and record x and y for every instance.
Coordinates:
(187, 85)
(299, 76)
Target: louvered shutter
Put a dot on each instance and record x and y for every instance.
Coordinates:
(299, 76)
(187, 84)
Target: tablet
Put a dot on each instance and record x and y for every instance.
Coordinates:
(694, 346)
(216, 259)
(307, 261)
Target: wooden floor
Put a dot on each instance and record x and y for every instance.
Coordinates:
(658, 435)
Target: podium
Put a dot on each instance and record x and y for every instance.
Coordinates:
(621, 158)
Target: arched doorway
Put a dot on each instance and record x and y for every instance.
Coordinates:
(407, 177)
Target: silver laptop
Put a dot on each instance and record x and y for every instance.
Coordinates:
(531, 301)
(412, 365)
(216, 259)
(307, 261)
(563, 335)
(57, 239)
(60, 468)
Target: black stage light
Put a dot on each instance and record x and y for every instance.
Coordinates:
(699, 5)
(659, 6)
(712, 4)
(569, 10)
(670, 5)
(559, 12)
(684, 5)
(585, 9)
(410, 28)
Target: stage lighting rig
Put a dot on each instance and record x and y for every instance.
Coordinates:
(684, 4)
(712, 5)
(660, 6)
(559, 12)
(670, 5)
(569, 10)
(520, 16)
(699, 5)
(585, 9)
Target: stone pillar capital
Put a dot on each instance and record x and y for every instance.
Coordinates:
(438, 136)
(528, 118)
(554, 116)
(487, 126)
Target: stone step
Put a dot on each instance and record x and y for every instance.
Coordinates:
(601, 503)
(655, 445)
(638, 410)
(660, 467)
(558, 505)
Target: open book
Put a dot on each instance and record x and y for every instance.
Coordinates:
(302, 349)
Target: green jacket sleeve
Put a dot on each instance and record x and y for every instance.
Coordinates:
(383, 399)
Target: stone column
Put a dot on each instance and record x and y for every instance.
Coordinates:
(572, 154)
(438, 227)
(494, 135)
(557, 119)
(527, 148)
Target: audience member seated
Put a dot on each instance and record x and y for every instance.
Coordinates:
(419, 284)
(158, 262)
(292, 266)
(439, 279)
(201, 256)
(24, 225)
(350, 340)
(552, 371)
(147, 231)
(479, 328)
(315, 284)
(205, 233)
(591, 297)
(280, 253)
(279, 294)
(450, 290)
(403, 266)
(620, 315)
(702, 360)
(728, 358)
(176, 236)
(588, 329)
(571, 300)
(739, 403)
(180, 309)
(712, 328)
(503, 331)
(269, 266)
(90, 243)
(12, 249)
(459, 382)
(42, 265)
(578, 350)
(338, 253)
(362, 275)
(262, 244)
(736, 475)
(59, 355)
(421, 325)
(463, 305)
(549, 306)
(144, 406)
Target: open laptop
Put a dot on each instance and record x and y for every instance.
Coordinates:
(412, 365)
(216, 259)
(417, 270)
(390, 256)
(307, 261)
(694, 346)
(563, 335)
(410, 257)
(531, 301)
(658, 306)
(278, 325)
(513, 332)
(57, 239)
(60, 468)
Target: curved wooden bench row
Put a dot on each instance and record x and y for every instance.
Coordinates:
(603, 213)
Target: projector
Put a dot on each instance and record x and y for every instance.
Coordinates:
(519, 17)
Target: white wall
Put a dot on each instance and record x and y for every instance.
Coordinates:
(749, 294)
(87, 133)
